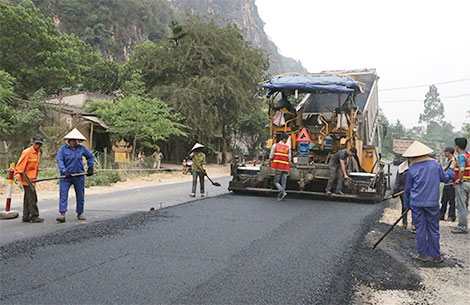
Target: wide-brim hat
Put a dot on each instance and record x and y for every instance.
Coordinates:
(196, 146)
(417, 149)
(75, 135)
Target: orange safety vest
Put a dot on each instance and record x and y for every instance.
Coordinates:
(281, 158)
(28, 164)
(466, 171)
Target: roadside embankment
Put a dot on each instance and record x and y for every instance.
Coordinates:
(390, 275)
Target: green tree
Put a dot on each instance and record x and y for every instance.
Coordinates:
(142, 120)
(19, 119)
(433, 107)
(7, 112)
(209, 75)
(252, 131)
(104, 76)
(34, 52)
(466, 128)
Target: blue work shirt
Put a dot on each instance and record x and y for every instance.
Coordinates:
(422, 183)
(70, 160)
(462, 160)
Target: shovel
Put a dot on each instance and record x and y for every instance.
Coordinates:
(396, 221)
(60, 177)
(213, 183)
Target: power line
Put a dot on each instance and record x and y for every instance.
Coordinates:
(442, 97)
(421, 86)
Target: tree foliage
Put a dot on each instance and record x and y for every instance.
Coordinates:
(252, 131)
(34, 52)
(18, 119)
(207, 73)
(142, 120)
(466, 127)
(112, 26)
(433, 108)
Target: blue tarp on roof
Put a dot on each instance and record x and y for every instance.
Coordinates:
(311, 83)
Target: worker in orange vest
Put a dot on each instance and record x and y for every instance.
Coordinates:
(28, 165)
(280, 157)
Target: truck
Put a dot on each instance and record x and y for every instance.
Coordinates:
(322, 113)
(399, 146)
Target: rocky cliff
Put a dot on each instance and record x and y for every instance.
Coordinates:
(116, 27)
(244, 13)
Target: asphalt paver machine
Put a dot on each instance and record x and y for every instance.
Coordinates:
(322, 113)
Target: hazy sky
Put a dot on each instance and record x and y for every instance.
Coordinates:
(409, 42)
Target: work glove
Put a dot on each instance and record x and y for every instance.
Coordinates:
(89, 172)
(67, 175)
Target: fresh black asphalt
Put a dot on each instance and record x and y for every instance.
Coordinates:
(222, 250)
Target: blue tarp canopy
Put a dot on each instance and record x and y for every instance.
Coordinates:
(311, 83)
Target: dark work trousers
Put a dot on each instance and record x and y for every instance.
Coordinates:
(405, 218)
(335, 175)
(448, 196)
(201, 181)
(30, 203)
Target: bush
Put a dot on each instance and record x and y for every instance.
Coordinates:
(103, 178)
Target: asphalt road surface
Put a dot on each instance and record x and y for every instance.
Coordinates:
(104, 206)
(228, 249)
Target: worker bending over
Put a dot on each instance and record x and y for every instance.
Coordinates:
(28, 165)
(422, 196)
(70, 161)
(280, 157)
(337, 167)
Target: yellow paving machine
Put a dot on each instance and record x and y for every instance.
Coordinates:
(322, 113)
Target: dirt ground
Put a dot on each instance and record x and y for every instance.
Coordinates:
(390, 275)
(50, 189)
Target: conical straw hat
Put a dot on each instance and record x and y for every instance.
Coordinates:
(74, 135)
(417, 149)
(403, 167)
(196, 146)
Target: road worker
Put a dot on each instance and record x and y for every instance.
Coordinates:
(337, 167)
(280, 157)
(462, 185)
(28, 165)
(448, 192)
(198, 168)
(399, 186)
(70, 161)
(422, 196)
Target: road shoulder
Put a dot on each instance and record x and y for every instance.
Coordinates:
(390, 275)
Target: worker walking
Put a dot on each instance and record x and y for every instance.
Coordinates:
(462, 185)
(422, 196)
(70, 161)
(28, 165)
(337, 167)
(198, 168)
(280, 157)
(448, 192)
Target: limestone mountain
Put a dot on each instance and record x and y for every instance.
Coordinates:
(115, 27)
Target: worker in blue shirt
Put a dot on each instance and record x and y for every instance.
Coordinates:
(70, 161)
(422, 196)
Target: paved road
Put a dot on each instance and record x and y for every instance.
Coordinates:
(223, 250)
(106, 206)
